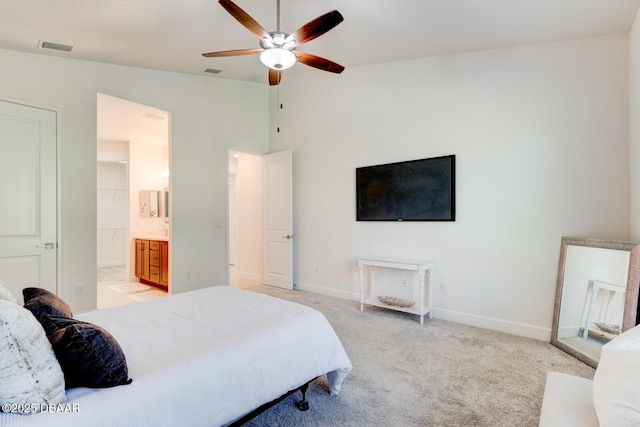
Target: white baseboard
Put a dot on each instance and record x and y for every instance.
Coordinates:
(521, 329)
(327, 291)
(111, 264)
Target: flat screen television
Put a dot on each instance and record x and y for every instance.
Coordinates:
(414, 190)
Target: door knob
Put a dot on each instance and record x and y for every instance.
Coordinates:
(48, 245)
(288, 236)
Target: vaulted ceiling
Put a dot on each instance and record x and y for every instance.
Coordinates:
(171, 35)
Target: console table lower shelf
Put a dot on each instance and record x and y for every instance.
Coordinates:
(422, 267)
(414, 309)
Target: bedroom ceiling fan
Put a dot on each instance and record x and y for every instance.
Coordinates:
(277, 49)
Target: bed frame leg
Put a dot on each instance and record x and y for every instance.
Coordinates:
(303, 405)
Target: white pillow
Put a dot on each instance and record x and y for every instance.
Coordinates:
(616, 383)
(6, 294)
(29, 370)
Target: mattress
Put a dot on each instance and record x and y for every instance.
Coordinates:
(202, 358)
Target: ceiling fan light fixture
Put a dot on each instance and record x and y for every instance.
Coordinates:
(278, 58)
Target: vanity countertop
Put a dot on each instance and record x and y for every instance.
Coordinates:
(160, 238)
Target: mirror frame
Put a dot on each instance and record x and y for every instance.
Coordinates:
(630, 314)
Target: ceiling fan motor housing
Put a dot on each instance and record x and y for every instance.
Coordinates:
(277, 52)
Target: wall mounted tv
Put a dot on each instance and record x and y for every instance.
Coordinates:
(415, 190)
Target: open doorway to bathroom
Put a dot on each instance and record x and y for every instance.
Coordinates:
(132, 159)
(245, 219)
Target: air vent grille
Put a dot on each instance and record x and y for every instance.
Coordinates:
(212, 71)
(56, 46)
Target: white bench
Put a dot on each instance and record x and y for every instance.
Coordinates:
(567, 402)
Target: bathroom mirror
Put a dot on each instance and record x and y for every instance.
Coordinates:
(596, 295)
(154, 203)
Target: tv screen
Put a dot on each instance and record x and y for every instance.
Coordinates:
(415, 190)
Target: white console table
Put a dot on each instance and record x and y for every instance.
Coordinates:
(420, 265)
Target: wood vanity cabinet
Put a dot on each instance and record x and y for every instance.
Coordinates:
(152, 262)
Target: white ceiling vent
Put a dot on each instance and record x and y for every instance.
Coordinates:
(55, 46)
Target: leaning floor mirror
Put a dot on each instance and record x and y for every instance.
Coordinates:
(596, 295)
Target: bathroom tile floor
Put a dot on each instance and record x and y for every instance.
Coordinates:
(114, 290)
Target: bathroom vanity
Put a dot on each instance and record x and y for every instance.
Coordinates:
(152, 262)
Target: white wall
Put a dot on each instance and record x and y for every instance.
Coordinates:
(207, 114)
(634, 126)
(112, 213)
(541, 138)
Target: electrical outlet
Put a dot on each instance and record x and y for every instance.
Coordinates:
(443, 288)
(188, 275)
(79, 289)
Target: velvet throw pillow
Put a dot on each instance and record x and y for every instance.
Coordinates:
(41, 303)
(89, 355)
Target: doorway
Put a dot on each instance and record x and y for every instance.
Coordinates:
(260, 219)
(133, 159)
(245, 220)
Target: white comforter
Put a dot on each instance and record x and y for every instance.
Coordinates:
(203, 358)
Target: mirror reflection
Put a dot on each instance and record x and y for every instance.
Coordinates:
(154, 203)
(596, 296)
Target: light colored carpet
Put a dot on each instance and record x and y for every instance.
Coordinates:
(438, 374)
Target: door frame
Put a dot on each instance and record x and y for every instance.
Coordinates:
(229, 150)
(58, 112)
(261, 236)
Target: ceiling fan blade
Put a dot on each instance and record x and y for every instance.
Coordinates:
(246, 20)
(315, 28)
(274, 77)
(238, 52)
(318, 62)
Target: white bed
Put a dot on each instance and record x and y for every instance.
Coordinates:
(203, 358)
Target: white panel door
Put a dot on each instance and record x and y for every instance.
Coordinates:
(277, 219)
(28, 243)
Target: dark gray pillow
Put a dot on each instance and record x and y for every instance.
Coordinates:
(88, 354)
(41, 303)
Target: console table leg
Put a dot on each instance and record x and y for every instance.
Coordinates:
(361, 288)
(421, 274)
